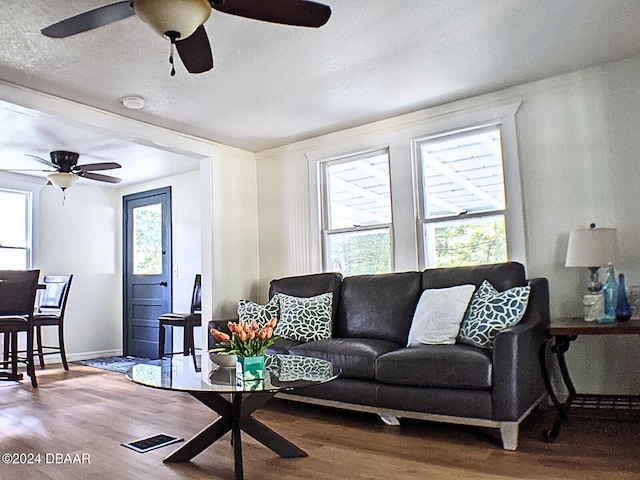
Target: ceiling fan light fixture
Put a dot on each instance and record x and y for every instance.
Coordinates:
(181, 16)
(62, 180)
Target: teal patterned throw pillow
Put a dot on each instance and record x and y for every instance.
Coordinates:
(304, 319)
(490, 312)
(248, 310)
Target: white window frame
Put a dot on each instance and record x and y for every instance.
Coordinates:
(323, 188)
(28, 227)
(503, 118)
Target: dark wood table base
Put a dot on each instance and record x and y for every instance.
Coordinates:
(235, 416)
(562, 332)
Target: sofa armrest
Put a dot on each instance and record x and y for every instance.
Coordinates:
(517, 378)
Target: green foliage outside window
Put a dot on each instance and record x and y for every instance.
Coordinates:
(359, 254)
(470, 244)
(148, 240)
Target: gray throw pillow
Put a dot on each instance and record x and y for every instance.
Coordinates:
(304, 319)
(248, 310)
(490, 312)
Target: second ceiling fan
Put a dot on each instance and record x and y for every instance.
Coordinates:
(182, 21)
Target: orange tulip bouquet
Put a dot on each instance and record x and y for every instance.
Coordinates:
(246, 340)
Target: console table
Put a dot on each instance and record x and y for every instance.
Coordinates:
(283, 373)
(562, 332)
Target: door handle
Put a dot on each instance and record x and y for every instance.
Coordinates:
(163, 284)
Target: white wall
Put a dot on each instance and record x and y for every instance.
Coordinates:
(82, 237)
(578, 150)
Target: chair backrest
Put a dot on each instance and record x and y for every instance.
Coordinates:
(196, 298)
(55, 294)
(18, 292)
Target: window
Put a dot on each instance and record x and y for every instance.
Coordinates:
(15, 233)
(356, 214)
(463, 207)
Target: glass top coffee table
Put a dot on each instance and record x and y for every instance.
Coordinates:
(234, 400)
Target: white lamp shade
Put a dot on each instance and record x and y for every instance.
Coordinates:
(592, 247)
(182, 16)
(62, 180)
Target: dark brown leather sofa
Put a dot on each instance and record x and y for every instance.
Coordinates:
(459, 383)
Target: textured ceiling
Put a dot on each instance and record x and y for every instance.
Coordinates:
(274, 84)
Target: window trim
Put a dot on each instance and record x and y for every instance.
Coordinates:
(323, 189)
(503, 118)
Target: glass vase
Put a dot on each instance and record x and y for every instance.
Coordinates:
(623, 309)
(250, 368)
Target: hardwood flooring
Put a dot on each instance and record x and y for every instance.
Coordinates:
(90, 412)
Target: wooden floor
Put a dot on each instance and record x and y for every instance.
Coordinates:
(90, 412)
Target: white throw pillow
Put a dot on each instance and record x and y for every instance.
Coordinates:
(248, 310)
(438, 315)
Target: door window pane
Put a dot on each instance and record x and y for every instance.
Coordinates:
(147, 240)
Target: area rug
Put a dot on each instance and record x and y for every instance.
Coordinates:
(113, 364)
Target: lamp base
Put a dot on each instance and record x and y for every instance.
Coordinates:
(594, 285)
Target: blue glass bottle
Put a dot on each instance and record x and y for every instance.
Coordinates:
(623, 309)
(610, 293)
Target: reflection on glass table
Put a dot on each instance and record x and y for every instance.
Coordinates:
(282, 373)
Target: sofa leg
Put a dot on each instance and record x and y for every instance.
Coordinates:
(390, 420)
(509, 434)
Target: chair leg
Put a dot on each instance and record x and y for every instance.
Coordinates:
(161, 341)
(63, 352)
(39, 345)
(7, 337)
(186, 344)
(31, 370)
(14, 354)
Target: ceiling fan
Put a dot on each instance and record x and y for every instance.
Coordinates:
(66, 170)
(182, 21)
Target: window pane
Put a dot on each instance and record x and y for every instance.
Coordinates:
(14, 219)
(13, 259)
(466, 242)
(358, 192)
(147, 240)
(356, 253)
(463, 174)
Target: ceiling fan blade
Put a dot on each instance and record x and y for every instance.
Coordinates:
(89, 20)
(42, 160)
(302, 13)
(195, 51)
(100, 178)
(90, 167)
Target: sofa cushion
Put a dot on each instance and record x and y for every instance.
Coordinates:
(356, 356)
(501, 275)
(378, 306)
(309, 286)
(439, 314)
(490, 312)
(447, 366)
(282, 346)
(304, 319)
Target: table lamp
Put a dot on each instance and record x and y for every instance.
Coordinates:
(592, 248)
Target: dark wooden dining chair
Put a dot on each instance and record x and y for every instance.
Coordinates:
(17, 302)
(50, 309)
(188, 321)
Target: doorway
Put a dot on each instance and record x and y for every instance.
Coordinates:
(147, 261)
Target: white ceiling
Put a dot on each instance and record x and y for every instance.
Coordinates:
(275, 84)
